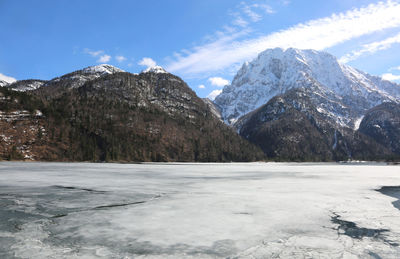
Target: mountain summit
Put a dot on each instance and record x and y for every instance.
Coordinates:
(347, 92)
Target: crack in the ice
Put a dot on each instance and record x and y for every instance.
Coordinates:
(78, 188)
(118, 205)
(108, 206)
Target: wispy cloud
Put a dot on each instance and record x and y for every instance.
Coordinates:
(391, 77)
(120, 58)
(218, 81)
(7, 79)
(255, 17)
(285, 2)
(239, 21)
(315, 34)
(101, 56)
(265, 7)
(93, 53)
(214, 94)
(147, 62)
(246, 13)
(202, 86)
(394, 68)
(371, 48)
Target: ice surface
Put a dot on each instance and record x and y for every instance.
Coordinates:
(256, 210)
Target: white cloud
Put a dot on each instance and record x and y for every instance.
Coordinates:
(147, 62)
(218, 81)
(394, 68)
(202, 86)
(93, 53)
(104, 58)
(214, 94)
(391, 77)
(7, 79)
(315, 34)
(120, 58)
(371, 48)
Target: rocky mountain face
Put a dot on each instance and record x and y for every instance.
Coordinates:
(105, 114)
(382, 123)
(305, 105)
(290, 128)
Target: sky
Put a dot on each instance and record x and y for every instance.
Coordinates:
(204, 42)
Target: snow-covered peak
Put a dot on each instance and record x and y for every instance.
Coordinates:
(102, 69)
(155, 69)
(3, 83)
(275, 71)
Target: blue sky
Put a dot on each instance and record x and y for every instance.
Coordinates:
(202, 41)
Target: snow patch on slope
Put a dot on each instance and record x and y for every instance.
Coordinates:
(26, 85)
(3, 83)
(102, 69)
(155, 69)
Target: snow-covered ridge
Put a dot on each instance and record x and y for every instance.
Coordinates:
(102, 69)
(155, 69)
(70, 80)
(30, 86)
(275, 71)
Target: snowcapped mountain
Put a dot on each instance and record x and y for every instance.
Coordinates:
(338, 91)
(70, 80)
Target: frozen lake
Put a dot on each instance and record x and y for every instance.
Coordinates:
(256, 210)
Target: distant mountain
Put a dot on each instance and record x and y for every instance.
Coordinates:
(102, 113)
(305, 105)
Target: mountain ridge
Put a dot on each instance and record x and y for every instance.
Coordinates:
(115, 116)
